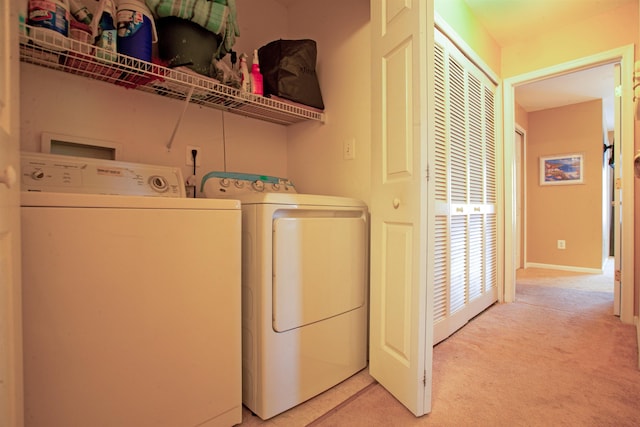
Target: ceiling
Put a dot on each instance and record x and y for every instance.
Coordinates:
(580, 86)
(514, 21)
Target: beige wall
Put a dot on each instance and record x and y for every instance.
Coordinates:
(309, 153)
(565, 212)
(315, 151)
(143, 123)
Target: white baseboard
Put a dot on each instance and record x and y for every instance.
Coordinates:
(564, 268)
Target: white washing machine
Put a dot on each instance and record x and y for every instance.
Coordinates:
(304, 289)
(131, 311)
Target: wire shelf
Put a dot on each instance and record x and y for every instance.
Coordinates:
(49, 49)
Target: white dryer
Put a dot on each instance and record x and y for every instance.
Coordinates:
(131, 297)
(304, 289)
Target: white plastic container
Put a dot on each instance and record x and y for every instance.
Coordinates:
(51, 21)
(81, 12)
(50, 15)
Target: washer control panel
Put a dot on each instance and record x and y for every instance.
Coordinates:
(228, 184)
(65, 174)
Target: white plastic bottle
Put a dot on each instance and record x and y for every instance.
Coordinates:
(246, 77)
(81, 12)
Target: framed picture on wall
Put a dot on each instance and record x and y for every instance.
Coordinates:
(562, 170)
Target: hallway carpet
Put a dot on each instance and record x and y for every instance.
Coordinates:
(556, 357)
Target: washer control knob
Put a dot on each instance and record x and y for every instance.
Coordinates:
(37, 174)
(238, 183)
(275, 186)
(224, 182)
(257, 185)
(158, 183)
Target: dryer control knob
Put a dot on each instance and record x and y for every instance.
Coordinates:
(158, 183)
(37, 174)
(238, 183)
(224, 182)
(275, 186)
(257, 185)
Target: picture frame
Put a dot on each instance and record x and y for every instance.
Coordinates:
(563, 169)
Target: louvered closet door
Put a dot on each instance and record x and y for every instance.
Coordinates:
(465, 157)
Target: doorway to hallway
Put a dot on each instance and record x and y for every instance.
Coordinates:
(624, 56)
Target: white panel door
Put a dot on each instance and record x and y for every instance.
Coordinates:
(10, 288)
(401, 307)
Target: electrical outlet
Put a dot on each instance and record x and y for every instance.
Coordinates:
(562, 244)
(349, 149)
(189, 155)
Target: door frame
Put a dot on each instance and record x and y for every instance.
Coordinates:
(11, 367)
(523, 196)
(624, 55)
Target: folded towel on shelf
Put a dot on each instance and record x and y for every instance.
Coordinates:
(210, 15)
(218, 16)
(179, 8)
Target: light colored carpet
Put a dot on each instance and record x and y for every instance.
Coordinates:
(556, 357)
(569, 279)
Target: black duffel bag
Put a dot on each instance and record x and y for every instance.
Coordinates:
(288, 68)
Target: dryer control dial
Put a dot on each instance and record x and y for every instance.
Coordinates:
(158, 183)
(37, 174)
(257, 185)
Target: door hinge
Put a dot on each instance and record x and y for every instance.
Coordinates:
(618, 183)
(618, 91)
(427, 173)
(618, 276)
(424, 379)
